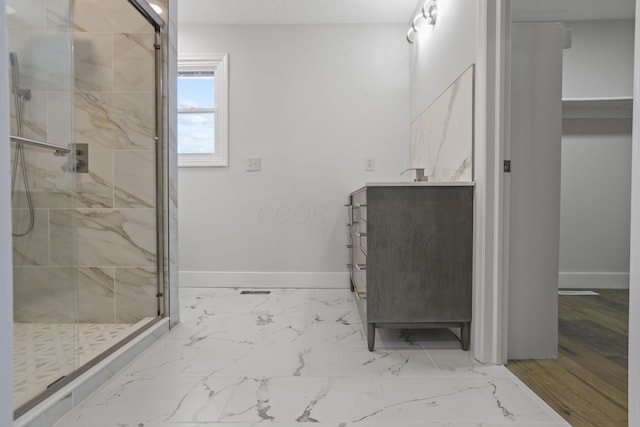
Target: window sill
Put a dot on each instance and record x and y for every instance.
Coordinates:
(192, 162)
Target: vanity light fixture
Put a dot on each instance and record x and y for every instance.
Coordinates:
(429, 12)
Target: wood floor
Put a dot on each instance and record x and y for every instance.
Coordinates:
(587, 384)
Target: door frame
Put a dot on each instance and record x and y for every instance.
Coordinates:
(491, 133)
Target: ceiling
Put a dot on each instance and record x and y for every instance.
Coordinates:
(295, 11)
(572, 10)
(379, 11)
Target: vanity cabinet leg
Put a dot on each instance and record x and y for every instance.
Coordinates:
(465, 335)
(371, 335)
(351, 285)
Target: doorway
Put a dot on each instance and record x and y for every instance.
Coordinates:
(593, 231)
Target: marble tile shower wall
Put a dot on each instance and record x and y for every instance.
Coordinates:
(111, 251)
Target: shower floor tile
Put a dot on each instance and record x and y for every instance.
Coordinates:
(45, 352)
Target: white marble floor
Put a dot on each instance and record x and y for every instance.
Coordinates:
(296, 357)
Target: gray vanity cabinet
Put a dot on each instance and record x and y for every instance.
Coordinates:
(411, 256)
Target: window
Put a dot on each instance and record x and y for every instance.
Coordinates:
(202, 110)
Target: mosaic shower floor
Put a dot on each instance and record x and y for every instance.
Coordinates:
(44, 352)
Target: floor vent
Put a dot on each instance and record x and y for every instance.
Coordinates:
(255, 292)
(577, 293)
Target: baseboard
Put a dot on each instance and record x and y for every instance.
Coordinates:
(251, 279)
(585, 280)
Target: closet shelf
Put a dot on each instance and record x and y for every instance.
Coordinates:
(597, 108)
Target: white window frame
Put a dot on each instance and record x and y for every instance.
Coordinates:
(219, 64)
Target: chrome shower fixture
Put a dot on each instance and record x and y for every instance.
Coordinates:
(15, 78)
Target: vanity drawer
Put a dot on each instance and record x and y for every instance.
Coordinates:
(362, 210)
(359, 269)
(360, 283)
(351, 232)
(360, 235)
(359, 201)
(363, 244)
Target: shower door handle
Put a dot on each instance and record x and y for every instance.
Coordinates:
(59, 149)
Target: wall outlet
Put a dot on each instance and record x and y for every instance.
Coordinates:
(369, 164)
(253, 164)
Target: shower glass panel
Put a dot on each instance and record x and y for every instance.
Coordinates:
(83, 78)
(43, 187)
(114, 101)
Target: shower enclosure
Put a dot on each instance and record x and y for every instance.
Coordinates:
(88, 193)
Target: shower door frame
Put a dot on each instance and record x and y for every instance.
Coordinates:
(161, 146)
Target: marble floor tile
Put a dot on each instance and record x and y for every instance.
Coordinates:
(456, 362)
(141, 401)
(295, 357)
(167, 359)
(334, 299)
(334, 335)
(488, 400)
(330, 316)
(358, 361)
(308, 400)
(358, 424)
(232, 329)
(287, 303)
(255, 424)
(426, 423)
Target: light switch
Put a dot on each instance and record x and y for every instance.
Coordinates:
(369, 164)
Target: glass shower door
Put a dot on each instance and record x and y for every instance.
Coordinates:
(43, 192)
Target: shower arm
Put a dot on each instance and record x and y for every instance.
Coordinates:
(59, 150)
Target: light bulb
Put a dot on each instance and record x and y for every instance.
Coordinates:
(414, 23)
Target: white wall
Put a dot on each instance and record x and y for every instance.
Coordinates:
(6, 289)
(600, 61)
(313, 102)
(595, 209)
(441, 53)
(596, 159)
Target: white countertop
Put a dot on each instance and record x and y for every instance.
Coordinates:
(418, 184)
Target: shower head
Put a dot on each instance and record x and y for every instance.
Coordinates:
(15, 77)
(15, 70)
